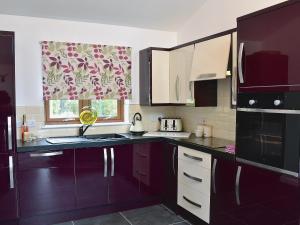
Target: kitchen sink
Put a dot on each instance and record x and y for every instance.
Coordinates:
(104, 136)
(87, 138)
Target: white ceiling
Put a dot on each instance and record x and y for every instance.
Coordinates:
(152, 14)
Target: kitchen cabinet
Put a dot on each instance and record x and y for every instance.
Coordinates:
(265, 197)
(268, 49)
(8, 190)
(46, 182)
(148, 167)
(91, 172)
(124, 182)
(181, 89)
(222, 189)
(170, 154)
(194, 182)
(211, 57)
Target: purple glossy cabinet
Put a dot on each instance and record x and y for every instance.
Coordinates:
(222, 190)
(46, 182)
(148, 168)
(8, 192)
(265, 197)
(124, 184)
(170, 154)
(269, 49)
(91, 173)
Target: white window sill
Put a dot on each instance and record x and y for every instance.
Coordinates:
(79, 125)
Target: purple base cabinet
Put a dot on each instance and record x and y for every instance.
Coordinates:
(91, 177)
(46, 182)
(170, 152)
(148, 169)
(8, 192)
(265, 197)
(123, 184)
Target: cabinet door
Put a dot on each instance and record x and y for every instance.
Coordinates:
(91, 170)
(269, 45)
(170, 152)
(160, 77)
(8, 193)
(222, 189)
(7, 80)
(123, 184)
(148, 168)
(265, 197)
(46, 182)
(181, 89)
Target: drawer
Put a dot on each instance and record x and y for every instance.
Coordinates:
(194, 157)
(193, 177)
(195, 202)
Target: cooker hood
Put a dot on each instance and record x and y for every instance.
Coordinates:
(210, 59)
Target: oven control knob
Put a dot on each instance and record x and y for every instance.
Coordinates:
(277, 102)
(252, 102)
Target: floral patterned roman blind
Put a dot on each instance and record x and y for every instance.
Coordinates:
(85, 71)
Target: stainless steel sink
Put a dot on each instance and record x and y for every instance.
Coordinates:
(87, 138)
(104, 136)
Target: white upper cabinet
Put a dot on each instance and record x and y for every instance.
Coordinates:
(160, 77)
(210, 60)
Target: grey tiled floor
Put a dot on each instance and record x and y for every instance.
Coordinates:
(153, 215)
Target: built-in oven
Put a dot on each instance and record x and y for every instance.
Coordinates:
(268, 131)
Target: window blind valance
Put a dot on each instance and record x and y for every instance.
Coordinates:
(85, 71)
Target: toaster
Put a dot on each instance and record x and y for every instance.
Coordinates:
(170, 124)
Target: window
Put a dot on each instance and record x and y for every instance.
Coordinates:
(67, 111)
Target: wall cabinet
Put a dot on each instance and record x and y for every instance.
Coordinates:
(46, 182)
(268, 59)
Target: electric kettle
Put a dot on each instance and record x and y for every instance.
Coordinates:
(136, 125)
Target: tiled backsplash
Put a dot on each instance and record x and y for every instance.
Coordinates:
(222, 118)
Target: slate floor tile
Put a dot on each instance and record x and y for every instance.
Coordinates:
(66, 223)
(110, 219)
(153, 215)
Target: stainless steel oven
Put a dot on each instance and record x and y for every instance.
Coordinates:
(268, 131)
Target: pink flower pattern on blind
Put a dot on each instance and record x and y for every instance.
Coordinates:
(85, 71)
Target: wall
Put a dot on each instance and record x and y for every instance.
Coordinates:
(221, 118)
(215, 16)
(30, 31)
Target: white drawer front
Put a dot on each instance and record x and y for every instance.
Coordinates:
(195, 202)
(194, 157)
(195, 177)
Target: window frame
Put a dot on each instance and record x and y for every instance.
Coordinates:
(82, 103)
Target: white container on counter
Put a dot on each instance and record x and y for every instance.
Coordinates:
(207, 131)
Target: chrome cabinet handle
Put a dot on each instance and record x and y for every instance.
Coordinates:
(112, 155)
(193, 157)
(105, 161)
(214, 175)
(192, 178)
(240, 59)
(191, 202)
(177, 88)
(46, 154)
(11, 172)
(9, 133)
(150, 73)
(173, 163)
(237, 185)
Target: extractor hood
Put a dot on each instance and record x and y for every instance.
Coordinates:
(210, 59)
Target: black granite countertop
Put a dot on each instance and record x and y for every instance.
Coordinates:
(214, 146)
